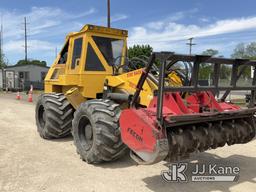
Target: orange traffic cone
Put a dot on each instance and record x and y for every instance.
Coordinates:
(18, 97)
(30, 99)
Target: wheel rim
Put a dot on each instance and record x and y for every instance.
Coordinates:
(85, 132)
(41, 116)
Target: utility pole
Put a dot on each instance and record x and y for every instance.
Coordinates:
(26, 40)
(190, 44)
(109, 16)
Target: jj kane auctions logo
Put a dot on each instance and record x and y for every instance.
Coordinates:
(200, 173)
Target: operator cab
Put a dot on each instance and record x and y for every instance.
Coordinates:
(104, 47)
(94, 50)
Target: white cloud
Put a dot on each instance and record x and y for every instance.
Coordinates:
(118, 17)
(47, 28)
(80, 15)
(40, 19)
(156, 25)
(34, 46)
(48, 23)
(182, 14)
(164, 34)
(103, 20)
(204, 19)
(44, 23)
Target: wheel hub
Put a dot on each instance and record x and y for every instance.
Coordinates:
(88, 132)
(42, 116)
(85, 133)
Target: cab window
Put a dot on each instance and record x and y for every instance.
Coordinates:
(92, 62)
(64, 54)
(76, 52)
(110, 48)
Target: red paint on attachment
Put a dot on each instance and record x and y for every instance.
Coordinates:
(139, 127)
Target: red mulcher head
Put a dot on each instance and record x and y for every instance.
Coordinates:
(174, 125)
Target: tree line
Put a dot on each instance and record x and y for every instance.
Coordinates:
(4, 62)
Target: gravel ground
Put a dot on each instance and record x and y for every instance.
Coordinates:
(31, 164)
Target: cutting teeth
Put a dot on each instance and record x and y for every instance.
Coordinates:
(201, 137)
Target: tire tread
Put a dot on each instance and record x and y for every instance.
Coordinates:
(59, 115)
(108, 145)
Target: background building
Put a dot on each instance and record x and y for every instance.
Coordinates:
(22, 76)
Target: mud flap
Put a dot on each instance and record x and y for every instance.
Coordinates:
(147, 141)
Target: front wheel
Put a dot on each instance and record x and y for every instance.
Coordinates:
(96, 131)
(54, 116)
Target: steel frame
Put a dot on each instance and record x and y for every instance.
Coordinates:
(197, 60)
(167, 59)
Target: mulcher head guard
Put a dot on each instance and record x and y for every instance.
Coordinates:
(187, 119)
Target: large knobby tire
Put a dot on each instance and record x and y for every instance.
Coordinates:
(96, 131)
(54, 115)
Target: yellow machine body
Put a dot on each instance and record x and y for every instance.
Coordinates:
(109, 105)
(70, 72)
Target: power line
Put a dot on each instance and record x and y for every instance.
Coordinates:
(190, 44)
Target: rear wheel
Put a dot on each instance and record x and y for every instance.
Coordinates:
(54, 116)
(96, 131)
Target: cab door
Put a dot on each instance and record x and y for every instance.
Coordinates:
(75, 61)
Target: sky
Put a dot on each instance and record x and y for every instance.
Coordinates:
(164, 24)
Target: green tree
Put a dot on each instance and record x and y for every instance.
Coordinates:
(225, 72)
(251, 50)
(3, 62)
(206, 69)
(243, 51)
(239, 51)
(140, 50)
(210, 52)
(31, 62)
